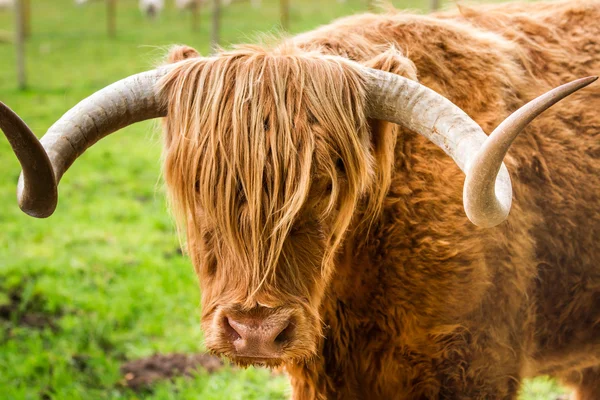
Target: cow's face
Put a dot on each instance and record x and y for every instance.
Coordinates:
(263, 313)
(266, 164)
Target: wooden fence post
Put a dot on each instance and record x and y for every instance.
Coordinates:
(284, 8)
(111, 17)
(196, 5)
(216, 22)
(26, 15)
(20, 43)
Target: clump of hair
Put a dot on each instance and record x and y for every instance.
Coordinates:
(244, 135)
(181, 52)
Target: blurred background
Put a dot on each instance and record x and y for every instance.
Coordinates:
(97, 302)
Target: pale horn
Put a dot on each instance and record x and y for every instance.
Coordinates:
(44, 162)
(487, 193)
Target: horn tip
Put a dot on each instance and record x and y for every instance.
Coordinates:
(587, 80)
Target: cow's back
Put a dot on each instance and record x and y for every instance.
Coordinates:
(541, 268)
(556, 170)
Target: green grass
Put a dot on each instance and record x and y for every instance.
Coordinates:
(105, 267)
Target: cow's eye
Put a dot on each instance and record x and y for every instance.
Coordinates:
(211, 266)
(295, 229)
(339, 165)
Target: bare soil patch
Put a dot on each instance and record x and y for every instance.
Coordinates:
(143, 373)
(27, 314)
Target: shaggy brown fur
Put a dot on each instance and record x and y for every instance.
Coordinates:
(293, 200)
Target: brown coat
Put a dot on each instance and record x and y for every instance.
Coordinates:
(430, 306)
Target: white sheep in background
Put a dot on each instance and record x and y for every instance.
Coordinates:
(6, 3)
(187, 4)
(151, 8)
(81, 2)
(255, 3)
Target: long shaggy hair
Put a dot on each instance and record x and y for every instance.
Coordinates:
(243, 147)
(274, 171)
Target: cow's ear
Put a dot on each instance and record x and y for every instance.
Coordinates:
(383, 133)
(392, 60)
(178, 53)
(395, 62)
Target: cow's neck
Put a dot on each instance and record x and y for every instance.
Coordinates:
(399, 290)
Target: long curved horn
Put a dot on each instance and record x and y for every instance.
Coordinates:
(487, 194)
(478, 191)
(42, 196)
(123, 103)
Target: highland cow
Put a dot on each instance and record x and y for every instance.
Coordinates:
(319, 183)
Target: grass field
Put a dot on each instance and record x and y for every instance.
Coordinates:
(102, 281)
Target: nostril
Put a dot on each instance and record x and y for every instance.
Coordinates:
(230, 331)
(285, 335)
(264, 336)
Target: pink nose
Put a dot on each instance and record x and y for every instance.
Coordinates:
(257, 336)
